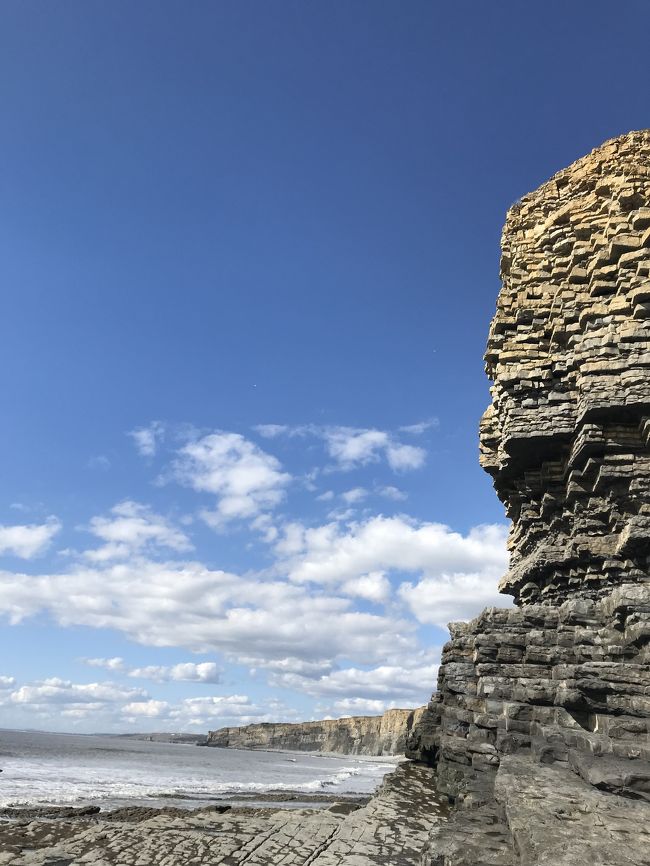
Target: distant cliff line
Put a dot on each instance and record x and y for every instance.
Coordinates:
(353, 735)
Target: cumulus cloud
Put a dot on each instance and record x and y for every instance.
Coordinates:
(131, 529)
(270, 431)
(188, 672)
(360, 707)
(59, 691)
(331, 554)
(245, 479)
(113, 664)
(148, 438)
(450, 597)
(357, 494)
(201, 712)
(351, 447)
(290, 665)
(151, 709)
(28, 541)
(373, 586)
(394, 493)
(112, 706)
(186, 604)
(407, 679)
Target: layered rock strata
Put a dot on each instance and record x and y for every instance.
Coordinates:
(566, 436)
(541, 719)
(355, 735)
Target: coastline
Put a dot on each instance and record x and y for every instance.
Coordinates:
(399, 817)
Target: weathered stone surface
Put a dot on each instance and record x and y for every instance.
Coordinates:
(543, 739)
(566, 436)
(392, 828)
(355, 735)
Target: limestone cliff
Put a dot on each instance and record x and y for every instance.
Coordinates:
(540, 726)
(355, 735)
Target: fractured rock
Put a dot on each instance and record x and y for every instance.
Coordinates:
(540, 728)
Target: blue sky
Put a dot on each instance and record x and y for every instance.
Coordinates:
(249, 254)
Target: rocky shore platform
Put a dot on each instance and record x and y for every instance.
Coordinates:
(392, 828)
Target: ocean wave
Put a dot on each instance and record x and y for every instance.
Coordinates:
(86, 774)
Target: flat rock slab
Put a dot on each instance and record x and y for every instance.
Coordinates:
(556, 819)
(391, 829)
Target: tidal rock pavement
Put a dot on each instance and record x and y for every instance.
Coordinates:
(391, 829)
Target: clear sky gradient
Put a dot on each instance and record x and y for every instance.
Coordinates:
(248, 257)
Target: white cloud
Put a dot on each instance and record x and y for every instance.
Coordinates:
(290, 665)
(455, 596)
(327, 496)
(148, 438)
(352, 447)
(245, 479)
(270, 431)
(218, 706)
(58, 691)
(386, 681)
(406, 680)
(203, 672)
(60, 702)
(363, 707)
(373, 586)
(402, 457)
(357, 494)
(186, 604)
(131, 529)
(393, 493)
(113, 664)
(151, 709)
(420, 427)
(27, 541)
(333, 555)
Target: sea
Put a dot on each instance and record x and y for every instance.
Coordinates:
(45, 769)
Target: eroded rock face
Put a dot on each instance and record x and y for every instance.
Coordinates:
(542, 713)
(566, 437)
(355, 735)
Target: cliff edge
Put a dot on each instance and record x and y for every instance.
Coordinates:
(539, 729)
(354, 735)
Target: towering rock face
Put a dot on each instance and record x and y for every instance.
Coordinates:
(566, 437)
(554, 694)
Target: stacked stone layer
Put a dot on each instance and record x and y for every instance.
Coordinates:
(568, 683)
(566, 437)
(540, 728)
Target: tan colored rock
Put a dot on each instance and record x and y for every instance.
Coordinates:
(566, 437)
(353, 735)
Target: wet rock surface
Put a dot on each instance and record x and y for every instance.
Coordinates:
(391, 829)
